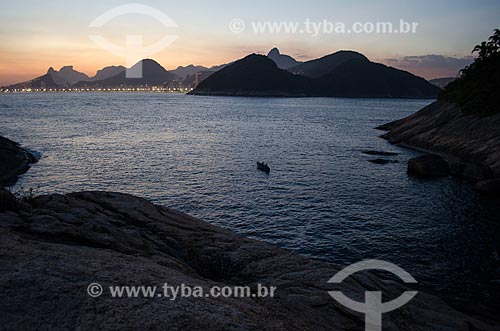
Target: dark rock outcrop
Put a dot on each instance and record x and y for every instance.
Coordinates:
(428, 165)
(489, 187)
(382, 161)
(469, 143)
(50, 255)
(381, 153)
(14, 161)
(8, 201)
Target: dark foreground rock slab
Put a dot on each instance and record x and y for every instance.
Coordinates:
(382, 161)
(381, 153)
(428, 166)
(49, 256)
(14, 161)
(489, 187)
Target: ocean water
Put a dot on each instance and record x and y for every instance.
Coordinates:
(322, 198)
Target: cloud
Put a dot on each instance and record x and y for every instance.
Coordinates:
(431, 66)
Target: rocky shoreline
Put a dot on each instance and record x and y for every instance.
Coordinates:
(14, 161)
(469, 143)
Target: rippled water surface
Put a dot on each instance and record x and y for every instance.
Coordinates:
(322, 198)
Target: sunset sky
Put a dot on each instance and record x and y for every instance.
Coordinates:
(38, 34)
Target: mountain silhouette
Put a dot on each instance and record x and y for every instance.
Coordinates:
(282, 61)
(253, 75)
(107, 72)
(67, 76)
(191, 69)
(325, 64)
(257, 75)
(44, 81)
(153, 74)
(71, 75)
(341, 74)
(362, 78)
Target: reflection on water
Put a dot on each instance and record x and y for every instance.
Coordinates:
(322, 198)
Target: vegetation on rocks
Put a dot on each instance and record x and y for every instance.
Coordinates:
(476, 89)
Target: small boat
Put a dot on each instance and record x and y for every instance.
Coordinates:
(263, 167)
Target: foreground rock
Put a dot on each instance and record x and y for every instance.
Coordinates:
(382, 161)
(14, 161)
(469, 143)
(381, 153)
(489, 187)
(428, 166)
(49, 256)
(8, 201)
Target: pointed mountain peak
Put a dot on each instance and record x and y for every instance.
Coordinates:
(51, 70)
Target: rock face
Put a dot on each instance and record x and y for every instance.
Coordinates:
(428, 165)
(469, 143)
(51, 253)
(14, 161)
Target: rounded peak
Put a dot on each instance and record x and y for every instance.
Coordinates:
(149, 61)
(274, 51)
(254, 59)
(255, 56)
(348, 52)
(51, 70)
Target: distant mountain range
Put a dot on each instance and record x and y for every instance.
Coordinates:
(341, 74)
(67, 76)
(153, 74)
(115, 76)
(184, 72)
(442, 82)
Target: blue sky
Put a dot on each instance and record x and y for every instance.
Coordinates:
(37, 34)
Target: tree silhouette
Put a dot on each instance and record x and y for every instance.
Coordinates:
(476, 88)
(486, 49)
